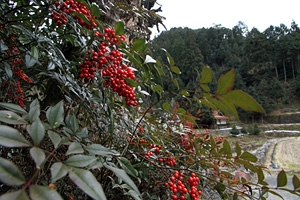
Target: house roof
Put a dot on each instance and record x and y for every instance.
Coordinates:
(217, 116)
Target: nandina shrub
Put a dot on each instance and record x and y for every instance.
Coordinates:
(94, 140)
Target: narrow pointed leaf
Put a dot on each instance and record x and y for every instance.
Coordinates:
(281, 179)
(244, 101)
(238, 149)
(16, 195)
(229, 106)
(10, 137)
(123, 176)
(248, 156)
(13, 107)
(11, 118)
(175, 70)
(80, 160)
(119, 27)
(127, 166)
(37, 155)
(38, 192)
(36, 131)
(55, 138)
(58, 171)
(87, 182)
(175, 83)
(34, 113)
(74, 148)
(10, 173)
(226, 82)
(169, 57)
(206, 75)
(55, 114)
(98, 149)
(275, 193)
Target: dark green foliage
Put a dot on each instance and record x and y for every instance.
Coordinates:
(234, 131)
(244, 130)
(254, 130)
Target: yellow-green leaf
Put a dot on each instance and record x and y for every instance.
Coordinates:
(281, 179)
(206, 75)
(244, 101)
(226, 82)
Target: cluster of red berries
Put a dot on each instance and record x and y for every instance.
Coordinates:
(69, 7)
(151, 149)
(109, 63)
(180, 189)
(14, 89)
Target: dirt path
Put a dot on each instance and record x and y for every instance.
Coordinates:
(284, 152)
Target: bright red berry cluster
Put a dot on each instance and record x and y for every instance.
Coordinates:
(181, 189)
(108, 61)
(69, 7)
(13, 86)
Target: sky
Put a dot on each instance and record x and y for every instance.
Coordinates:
(196, 14)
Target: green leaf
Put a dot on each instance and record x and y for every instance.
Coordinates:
(38, 192)
(30, 61)
(10, 173)
(34, 111)
(13, 107)
(8, 71)
(227, 148)
(36, 131)
(169, 57)
(72, 123)
(205, 87)
(175, 83)
(175, 70)
(229, 106)
(123, 176)
(149, 59)
(83, 133)
(11, 118)
(166, 106)
(16, 195)
(238, 149)
(260, 175)
(74, 148)
(98, 149)
(95, 10)
(3, 47)
(35, 52)
(248, 156)
(132, 58)
(181, 111)
(275, 193)
(244, 101)
(58, 171)
(87, 182)
(55, 138)
(10, 137)
(226, 82)
(220, 187)
(185, 93)
(55, 114)
(190, 119)
(206, 75)
(296, 182)
(83, 17)
(119, 28)
(80, 160)
(38, 155)
(281, 179)
(139, 45)
(127, 166)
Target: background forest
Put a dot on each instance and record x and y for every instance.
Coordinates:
(266, 63)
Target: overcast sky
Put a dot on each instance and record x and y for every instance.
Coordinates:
(255, 13)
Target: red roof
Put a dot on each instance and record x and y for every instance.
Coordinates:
(217, 116)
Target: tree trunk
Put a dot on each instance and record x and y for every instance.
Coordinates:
(284, 70)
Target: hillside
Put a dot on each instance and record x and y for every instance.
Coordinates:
(266, 63)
